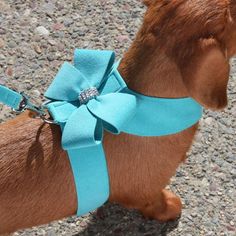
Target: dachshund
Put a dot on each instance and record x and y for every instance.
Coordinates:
(182, 49)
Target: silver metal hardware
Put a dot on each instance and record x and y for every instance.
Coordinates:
(47, 119)
(23, 104)
(87, 95)
(40, 111)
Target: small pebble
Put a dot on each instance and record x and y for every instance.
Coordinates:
(41, 30)
(209, 120)
(68, 22)
(234, 112)
(52, 42)
(123, 38)
(9, 71)
(2, 82)
(12, 44)
(37, 49)
(36, 93)
(27, 12)
(57, 26)
(2, 31)
(34, 20)
(83, 224)
(2, 43)
(11, 61)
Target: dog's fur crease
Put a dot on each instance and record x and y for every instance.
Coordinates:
(182, 49)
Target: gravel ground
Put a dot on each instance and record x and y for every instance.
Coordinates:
(37, 36)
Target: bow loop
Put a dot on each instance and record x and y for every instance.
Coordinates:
(68, 84)
(87, 97)
(95, 65)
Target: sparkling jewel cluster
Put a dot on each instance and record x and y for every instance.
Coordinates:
(88, 94)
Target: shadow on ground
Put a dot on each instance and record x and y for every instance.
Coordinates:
(114, 220)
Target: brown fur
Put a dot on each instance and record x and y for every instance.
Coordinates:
(182, 49)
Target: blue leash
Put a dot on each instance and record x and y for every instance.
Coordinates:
(20, 102)
(11, 98)
(91, 96)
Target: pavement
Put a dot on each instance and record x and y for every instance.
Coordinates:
(36, 37)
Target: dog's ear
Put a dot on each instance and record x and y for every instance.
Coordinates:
(205, 73)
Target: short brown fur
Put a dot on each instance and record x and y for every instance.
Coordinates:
(182, 49)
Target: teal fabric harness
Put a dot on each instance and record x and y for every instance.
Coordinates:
(91, 96)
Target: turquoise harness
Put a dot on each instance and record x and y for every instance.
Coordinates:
(89, 97)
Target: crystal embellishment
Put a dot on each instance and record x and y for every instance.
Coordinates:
(88, 94)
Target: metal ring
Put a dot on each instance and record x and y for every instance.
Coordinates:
(47, 120)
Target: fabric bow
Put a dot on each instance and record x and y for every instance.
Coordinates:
(83, 124)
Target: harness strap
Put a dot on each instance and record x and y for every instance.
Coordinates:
(10, 97)
(91, 96)
(90, 177)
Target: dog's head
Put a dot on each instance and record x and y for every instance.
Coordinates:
(200, 37)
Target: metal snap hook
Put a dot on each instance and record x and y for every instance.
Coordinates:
(41, 111)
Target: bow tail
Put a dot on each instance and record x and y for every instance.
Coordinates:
(82, 130)
(113, 109)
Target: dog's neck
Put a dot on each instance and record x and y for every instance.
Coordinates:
(148, 70)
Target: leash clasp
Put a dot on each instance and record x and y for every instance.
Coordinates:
(41, 111)
(27, 105)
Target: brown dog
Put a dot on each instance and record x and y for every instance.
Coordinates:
(182, 49)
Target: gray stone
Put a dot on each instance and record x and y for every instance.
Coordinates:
(68, 22)
(27, 12)
(12, 44)
(234, 111)
(41, 30)
(209, 120)
(49, 8)
(52, 42)
(36, 93)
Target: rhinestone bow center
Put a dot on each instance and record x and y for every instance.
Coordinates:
(87, 95)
